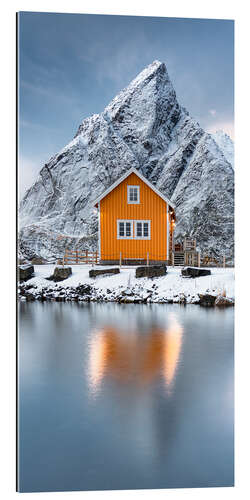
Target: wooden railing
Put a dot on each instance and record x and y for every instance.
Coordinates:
(80, 257)
(187, 245)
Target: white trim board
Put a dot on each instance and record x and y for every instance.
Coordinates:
(137, 202)
(133, 229)
(132, 170)
(125, 221)
(142, 237)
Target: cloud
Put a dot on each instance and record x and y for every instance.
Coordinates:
(52, 94)
(118, 62)
(35, 126)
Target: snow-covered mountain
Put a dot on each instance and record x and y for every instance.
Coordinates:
(226, 145)
(145, 127)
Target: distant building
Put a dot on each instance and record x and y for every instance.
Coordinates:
(136, 222)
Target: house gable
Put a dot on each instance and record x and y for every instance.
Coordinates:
(125, 177)
(116, 201)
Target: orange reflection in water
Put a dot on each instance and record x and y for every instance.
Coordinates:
(135, 357)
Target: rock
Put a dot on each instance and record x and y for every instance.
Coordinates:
(98, 272)
(182, 298)
(207, 299)
(25, 272)
(222, 301)
(38, 261)
(151, 271)
(21, 261)
(83, 290)
(29, 297)
(61, 273)
(195, 272)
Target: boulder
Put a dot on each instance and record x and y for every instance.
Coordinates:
(98, 272)
(61, 273)
(194, 272)
(38, 261)
(223, 301)
(25, 272)
(151, 271)
(207, 299)
(83, 290)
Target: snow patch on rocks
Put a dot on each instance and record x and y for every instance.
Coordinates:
(126, 288)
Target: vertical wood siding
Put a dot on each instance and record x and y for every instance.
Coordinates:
(114, 206)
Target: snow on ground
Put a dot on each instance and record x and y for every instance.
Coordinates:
(167, 287)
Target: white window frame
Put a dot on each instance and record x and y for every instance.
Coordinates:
(137, 202)
(149, 230)
(131, 229)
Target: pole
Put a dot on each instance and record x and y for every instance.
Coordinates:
(199, 259)
(147, 259)
(224, 261)
(120, 259)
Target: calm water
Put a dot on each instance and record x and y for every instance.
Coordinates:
(124, 397)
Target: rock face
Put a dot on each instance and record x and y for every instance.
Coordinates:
(150, 271)
(195, 272)
(25, 272)
(98, 272)
(61, 273)
(144, 127)
(226, 145)
(207, 299)
(223, 301)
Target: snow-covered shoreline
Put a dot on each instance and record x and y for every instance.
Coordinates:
(125, 288)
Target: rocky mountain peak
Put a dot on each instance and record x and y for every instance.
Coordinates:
(145, 127)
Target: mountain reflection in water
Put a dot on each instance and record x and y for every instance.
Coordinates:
(131, 357)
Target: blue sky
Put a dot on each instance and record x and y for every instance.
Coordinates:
(72, 65)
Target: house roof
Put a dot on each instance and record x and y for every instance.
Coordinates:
(132, 170)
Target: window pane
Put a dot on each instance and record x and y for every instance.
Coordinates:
(139, 229)
(145, 229)
(121, 228)
(133, 194)
(128, 229)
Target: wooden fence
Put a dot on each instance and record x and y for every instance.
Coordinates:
(80, 257)
(186, 258)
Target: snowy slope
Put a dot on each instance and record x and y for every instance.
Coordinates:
(226, 145)
(144, 127)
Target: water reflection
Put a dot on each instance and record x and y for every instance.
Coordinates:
(131, 397)
(135, 357)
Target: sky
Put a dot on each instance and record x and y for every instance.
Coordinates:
(72, 65)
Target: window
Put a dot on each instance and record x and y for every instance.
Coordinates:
(142, 229)
(133, 229)
(124, 229)
(133, 195)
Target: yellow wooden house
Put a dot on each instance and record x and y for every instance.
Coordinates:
(136, 222)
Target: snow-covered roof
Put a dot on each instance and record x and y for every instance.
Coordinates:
(132, 170)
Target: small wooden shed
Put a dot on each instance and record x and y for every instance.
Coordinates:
(136, 222)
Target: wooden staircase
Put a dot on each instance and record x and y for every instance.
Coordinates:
(179, 259)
